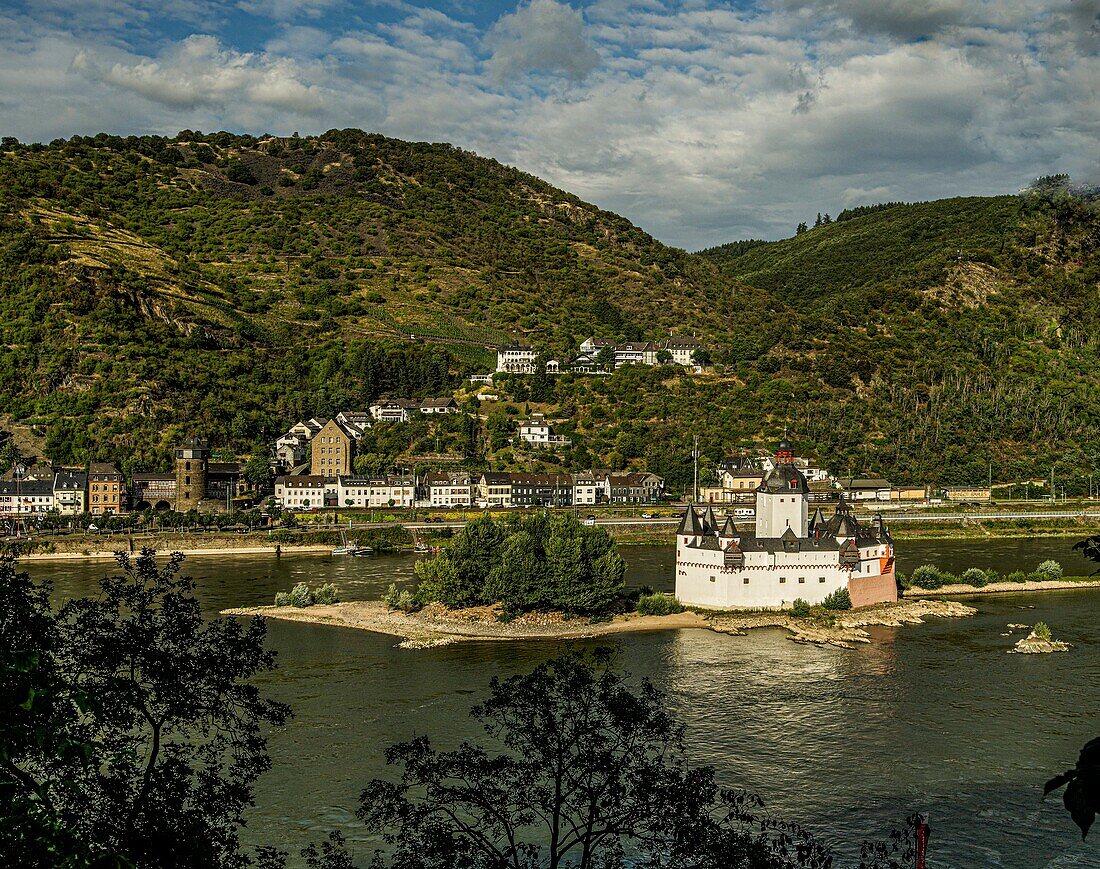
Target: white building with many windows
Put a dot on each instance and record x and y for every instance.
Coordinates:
(517, 359)
(375, 492)
(786, 555)
(444, 490)
(303, 492)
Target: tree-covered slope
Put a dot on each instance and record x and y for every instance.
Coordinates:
(227, 285)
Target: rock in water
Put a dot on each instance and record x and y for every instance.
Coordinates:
(1039, 642)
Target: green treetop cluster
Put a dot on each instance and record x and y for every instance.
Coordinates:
(534, 562)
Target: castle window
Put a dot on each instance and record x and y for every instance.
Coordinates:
(782, 579)
(821, 579)
(801, 579)
(712, 579)
(746, 580)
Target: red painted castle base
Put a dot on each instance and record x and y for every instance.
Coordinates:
(867, 590)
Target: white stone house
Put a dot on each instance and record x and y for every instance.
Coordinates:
(438, 405)
(393, 410)
(70, 492)
(26, 497)
(445, 490)
(303, 492)
(537, 431)
(517, 359)
(591, 488)
(375, 491)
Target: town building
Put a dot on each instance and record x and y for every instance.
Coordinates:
(305, 492)
(681, 349)
(494, 490)
(517, 359)
(541, 490)
(786, 555)
(967, 493)
(153, 491)
(106, 490)
(635, 488)
(191, 461)
(635, 353)
(591, 488)
(481, 379)
(866, 489)
(70, 492)
(394, 410)
(333, 449)
(375, 492)
(431, 406)
(443, 490)
(537, 431)
(355, 421)
(910, 493)
(23, 497)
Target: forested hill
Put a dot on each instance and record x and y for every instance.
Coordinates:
(226, 285)
(229, 284)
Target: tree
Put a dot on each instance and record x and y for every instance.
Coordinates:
(605, 358)
(256, 469)
(801, 228)
(664, 357)
(1082, 795)
(1090, 548)
(701, 356)
(162, 706)
(582, 770)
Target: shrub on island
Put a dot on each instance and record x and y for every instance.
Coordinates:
(404, 600)
(658, 604)
(800, 607)
(1016, 576)
(300, 596)
(838, 600)
(930, 577)
(976, 577)
(1050, 570)
(529, 562)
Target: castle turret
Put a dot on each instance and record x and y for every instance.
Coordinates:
(192, 458)
(691, 529)
(782, 498)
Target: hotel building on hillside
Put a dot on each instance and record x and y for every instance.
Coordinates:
(786, 554)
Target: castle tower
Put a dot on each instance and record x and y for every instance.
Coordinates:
(782, 499)
(192, 458)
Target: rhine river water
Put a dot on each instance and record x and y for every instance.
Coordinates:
(934, 717)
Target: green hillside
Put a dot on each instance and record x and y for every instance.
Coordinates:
(227, 285)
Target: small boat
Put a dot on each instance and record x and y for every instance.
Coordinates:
(346, 548)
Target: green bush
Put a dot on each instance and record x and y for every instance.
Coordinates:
(904, 582)
(282, 598)
(301, 596)
(930, 577)
(1016, 576)
(390, 597)
(1050, 569)
(975, 576)
(800, 607)
(406, 601)
(1042, 631)
(658, 604)
(326, 594)
(838, 600)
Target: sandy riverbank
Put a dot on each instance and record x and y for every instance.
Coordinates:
(1001, 588)
(435, 625)
(201, 552)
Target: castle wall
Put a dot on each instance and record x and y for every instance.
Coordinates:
(867, 590)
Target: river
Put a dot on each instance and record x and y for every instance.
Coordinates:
(936, 718)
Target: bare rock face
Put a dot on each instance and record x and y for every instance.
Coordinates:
(1039, 643)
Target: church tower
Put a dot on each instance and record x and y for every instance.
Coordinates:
(782, 499)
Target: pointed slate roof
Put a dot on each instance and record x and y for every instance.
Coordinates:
(728, 528)
(710, 523)
(818, 519)
(689, 524)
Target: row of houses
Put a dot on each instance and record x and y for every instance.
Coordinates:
(101, 488)
(600, 356)
(739, 477)
(444, 490)
(338, 436)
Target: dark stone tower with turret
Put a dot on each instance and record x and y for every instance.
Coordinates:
(192, 458)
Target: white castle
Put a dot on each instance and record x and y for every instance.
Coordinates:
(788, 555)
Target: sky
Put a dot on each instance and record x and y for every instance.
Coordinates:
(701, 121)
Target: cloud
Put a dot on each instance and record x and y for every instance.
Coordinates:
(199, 72)
(700, 122)
(541, 36)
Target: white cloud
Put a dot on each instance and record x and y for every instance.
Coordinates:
(701, 124)
(540, 36)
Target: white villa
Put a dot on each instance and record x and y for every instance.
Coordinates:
(537, 431)
(517, 359)
(786, 555)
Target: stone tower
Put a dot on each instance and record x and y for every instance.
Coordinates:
(192, 458)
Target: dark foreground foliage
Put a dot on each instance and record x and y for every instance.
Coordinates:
(1082, 794)
(131, 732)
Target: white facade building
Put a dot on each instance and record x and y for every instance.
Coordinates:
(786, 555)
(375, 492)
(590, 489)
(303, 492)
(70, 492)
(26, 497)
(537, 431)
(445, 490)
(517, 360)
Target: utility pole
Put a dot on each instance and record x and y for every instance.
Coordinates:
(695, 459)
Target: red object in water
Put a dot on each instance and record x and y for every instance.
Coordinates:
(923, 833)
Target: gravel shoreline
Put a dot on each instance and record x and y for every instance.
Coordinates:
(916, 593)
(435, 625)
